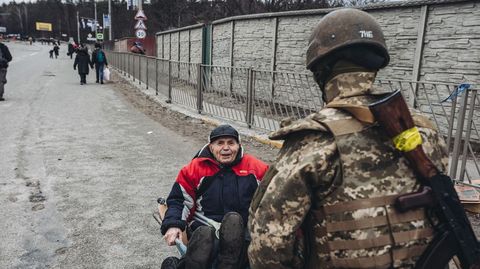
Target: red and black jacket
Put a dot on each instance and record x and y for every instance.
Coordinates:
(213, 190)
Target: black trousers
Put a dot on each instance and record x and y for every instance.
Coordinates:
(83, 78)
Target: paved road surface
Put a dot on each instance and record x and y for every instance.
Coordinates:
(80, 170)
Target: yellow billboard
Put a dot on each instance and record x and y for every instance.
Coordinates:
(43, 26)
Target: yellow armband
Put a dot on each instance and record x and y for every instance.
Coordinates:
(407, 140)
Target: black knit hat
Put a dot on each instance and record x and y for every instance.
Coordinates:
(223, 130)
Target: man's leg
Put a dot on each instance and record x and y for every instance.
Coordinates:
(97, 66)
(100, 71)
(231, 254)
(200, 248)
(3, 81)
(170, 263)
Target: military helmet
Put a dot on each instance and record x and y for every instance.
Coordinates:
(344, 28)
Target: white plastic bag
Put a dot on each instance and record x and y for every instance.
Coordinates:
(106, 74)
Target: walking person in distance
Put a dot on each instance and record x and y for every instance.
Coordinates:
(82, 60)
(5, 58)
(100, 60)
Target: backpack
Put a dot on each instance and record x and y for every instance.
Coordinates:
(100, 57)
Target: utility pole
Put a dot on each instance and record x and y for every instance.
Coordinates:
(78, 28)
(109, 20)
(96, 22)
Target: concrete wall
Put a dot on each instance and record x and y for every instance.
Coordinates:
(221, 39)
(184, 44)
(452, 43)
(446, 51)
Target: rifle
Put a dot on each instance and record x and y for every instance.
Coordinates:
(455, 236)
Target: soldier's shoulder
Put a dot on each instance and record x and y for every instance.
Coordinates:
(313, 122)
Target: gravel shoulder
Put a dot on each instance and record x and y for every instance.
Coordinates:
(186, 126)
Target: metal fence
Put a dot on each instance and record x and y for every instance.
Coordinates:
(261, 99)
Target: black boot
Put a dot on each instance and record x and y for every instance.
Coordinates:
(200, 248)
(232, 242)
(170, 263)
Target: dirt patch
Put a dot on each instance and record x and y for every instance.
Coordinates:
(182, 124)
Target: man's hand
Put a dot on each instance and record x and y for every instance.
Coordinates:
(172, 234)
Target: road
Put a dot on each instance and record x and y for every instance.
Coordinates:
(80, 170)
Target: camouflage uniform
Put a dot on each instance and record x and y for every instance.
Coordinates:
(336, 178)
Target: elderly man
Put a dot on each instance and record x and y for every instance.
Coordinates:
(219, 184)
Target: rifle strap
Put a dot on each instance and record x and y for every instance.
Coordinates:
(360, 112)
(380, 241)
(360, 203)
(362, 118)
(395, 218)
(379, 261)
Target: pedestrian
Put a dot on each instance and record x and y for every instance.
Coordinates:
(327, 202)
(55, 50)
(82, 60)
(218, 184)
(5, 58)
(137, 48)
(50, 52)
(100, 60)
(71, 49)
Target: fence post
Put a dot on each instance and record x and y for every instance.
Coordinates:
(199, 89)
(451, 121)
(458, 135)
(250, 97)
(468, 132)
(140, 70)
(156, 76)
(169, 100)
(133, 67)
(146, 78)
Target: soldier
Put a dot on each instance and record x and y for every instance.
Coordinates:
(327, 202)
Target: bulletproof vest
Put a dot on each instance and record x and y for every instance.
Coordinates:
(357, 226)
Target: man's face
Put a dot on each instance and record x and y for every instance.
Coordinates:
(224, 149)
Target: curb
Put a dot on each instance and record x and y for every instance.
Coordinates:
(246, 132)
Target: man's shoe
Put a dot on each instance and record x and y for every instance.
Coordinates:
(2, 99)
(170, 263)
(232, 242)
(200, 248)
(96, 81)
(101, 82)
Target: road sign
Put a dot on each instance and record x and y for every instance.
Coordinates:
(3, 29)
(43, 26)
(106, 21)
(100, 36)
(140, 15)
(140, 33)
(140, 25)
